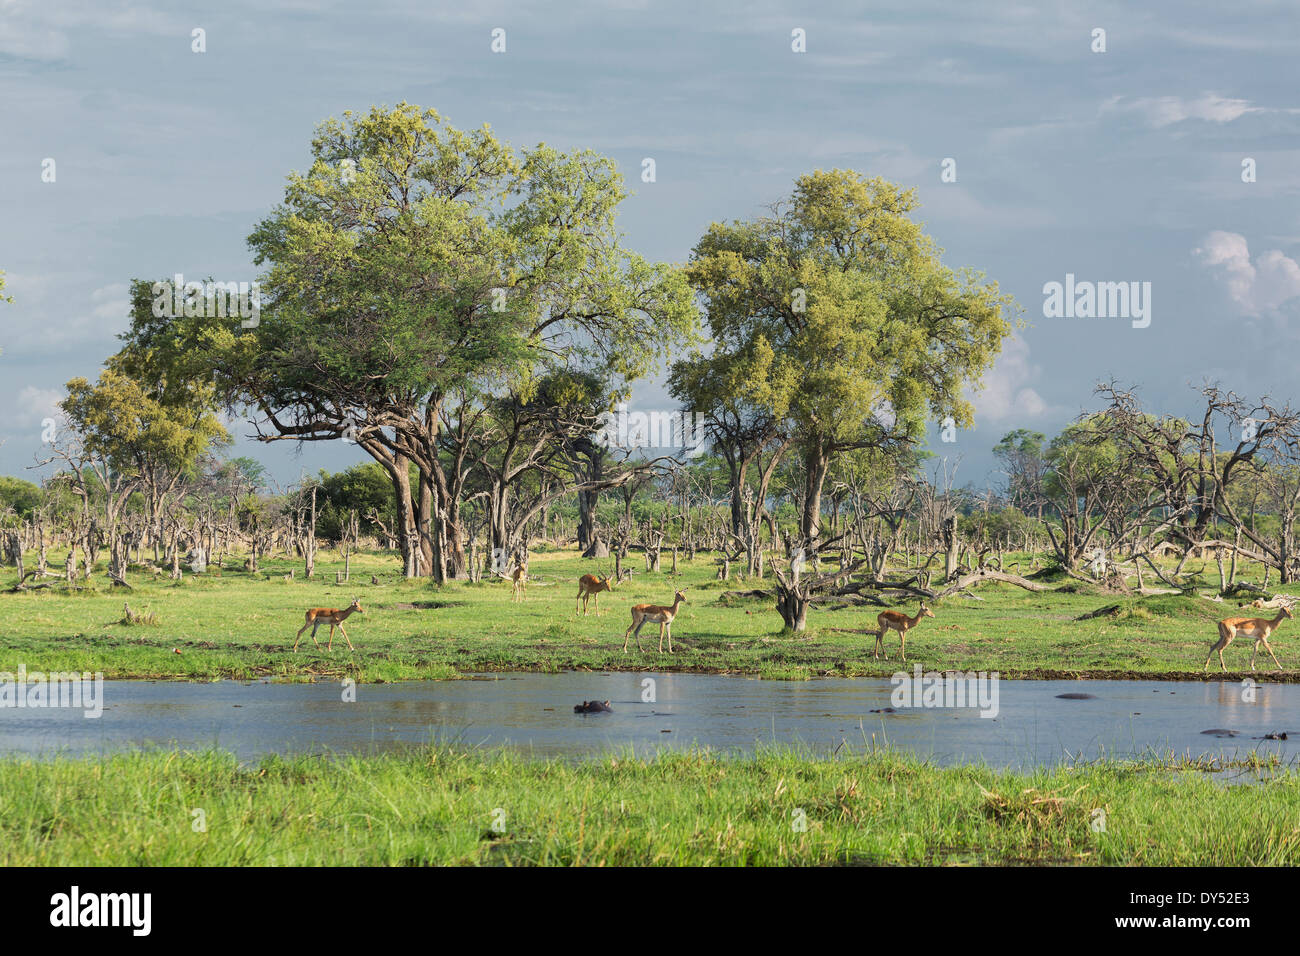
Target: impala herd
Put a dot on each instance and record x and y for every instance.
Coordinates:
(590, 586)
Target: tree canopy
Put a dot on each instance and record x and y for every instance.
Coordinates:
(835, 317)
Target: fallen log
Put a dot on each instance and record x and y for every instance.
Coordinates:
(907, 587)
(988, 574)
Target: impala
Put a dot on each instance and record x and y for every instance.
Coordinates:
(900, 622)
(590, 586)
(1258, 628)
(520, 579)
(334, 618)
(656, 614)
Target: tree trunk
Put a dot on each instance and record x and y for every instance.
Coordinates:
(793, 608)
(399, 473)
(951, 544)
(816, 463)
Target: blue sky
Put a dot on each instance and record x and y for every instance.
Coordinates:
(1115, 166)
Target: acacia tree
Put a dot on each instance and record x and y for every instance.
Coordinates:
(416, 267)
(836, 317)
(542, 445)
(126, 436)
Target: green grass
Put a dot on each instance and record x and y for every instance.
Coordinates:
(239, 626)
(438, 805)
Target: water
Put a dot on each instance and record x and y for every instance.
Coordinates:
(534, 713)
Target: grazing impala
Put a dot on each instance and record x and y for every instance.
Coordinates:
(1258, 628)
(334, 618)
(520, 579)
(900, 622)
(655, 614)
(590, 586)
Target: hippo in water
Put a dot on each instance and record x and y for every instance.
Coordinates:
(592, 707)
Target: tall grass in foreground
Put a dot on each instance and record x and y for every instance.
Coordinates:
(441, 805)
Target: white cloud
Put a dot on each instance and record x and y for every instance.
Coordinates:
(1261, 285)
(1006, 393)
(1166, 110)
(33, 404)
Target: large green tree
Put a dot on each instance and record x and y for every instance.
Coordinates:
(835, 317)
(417, 271)
(130, 437)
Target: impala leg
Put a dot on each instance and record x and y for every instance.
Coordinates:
(313, 635)
(1269, 647)
(330, 647)
(902, 642)
(346, 638)
(626, 635)
(670, 638)
(880, 645)
(298, 637)
(1224, 639)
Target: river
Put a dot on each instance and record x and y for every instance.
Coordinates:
(533, 713)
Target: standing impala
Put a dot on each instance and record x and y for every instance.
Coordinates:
(1258, 628)
(590, 586)
(520, 579)
(900, 622)
(656, 614)
(334, 618)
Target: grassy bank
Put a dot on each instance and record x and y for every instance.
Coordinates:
(242, 626)
(441, 806)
